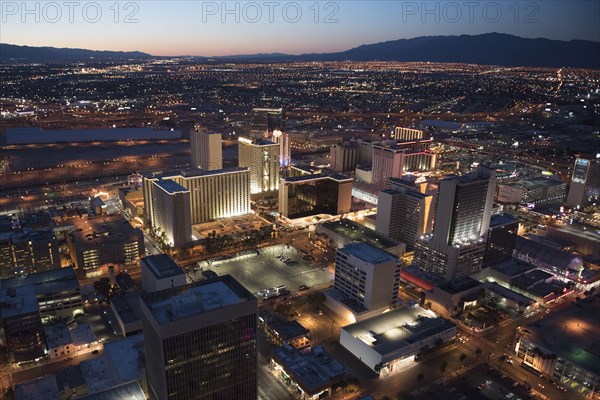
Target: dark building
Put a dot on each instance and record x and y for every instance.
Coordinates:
(307, 195)
(203, 341)
(22, 324)
(267, 120)
(501, 239)
(28, 252)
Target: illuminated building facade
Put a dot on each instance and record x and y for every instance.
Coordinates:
(585, 182)
(207, 152)
(261, 156)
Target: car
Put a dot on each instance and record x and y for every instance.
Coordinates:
(96, 352)
(502, 376)
(510, 395)
(488, 382)
(510, 361)
(303, 287)
(452, 390)
(515, 384)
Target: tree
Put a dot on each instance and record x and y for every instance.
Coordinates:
(420, 378)
(478, 352)
(443, 367)
(103, 287)
(462, 358)
(316, 299)
(353, 385)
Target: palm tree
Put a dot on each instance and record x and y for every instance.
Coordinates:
(443, 367)
(420, 378)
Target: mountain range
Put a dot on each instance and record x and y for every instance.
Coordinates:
(490, 49)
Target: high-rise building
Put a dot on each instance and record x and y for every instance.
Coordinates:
(585, 181)
(171, 205)
(401, 133)
(267, 120)
(203, 341)
(7, 262)
(261, 156)
(365, 150)
(344, 157)
(501, 239)
(463, 212)
(393, 160)
(207, 152)
(367, 277)
(28, 252)
(403, 213)
(213, 194)
(307, 195)
(285, 150)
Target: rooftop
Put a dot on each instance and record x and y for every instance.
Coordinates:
(57, 335)
(368, 253)
(162, 266)
(44, 387)
(192, 172)
(98, 374)
(97, 231)
(128, 307)
(502, 219)
(572, 334)
(170, 186)
(323, 175)
(129, 390)
(126, 357)
(313, 370)
(196, 298)
(17, 301)
(391, 331)
(353, 231)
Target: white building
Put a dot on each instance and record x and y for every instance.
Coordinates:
(401, 133)
(393, 339)
(161, 272)
(367, 277)
(261, 156)
(171, 205)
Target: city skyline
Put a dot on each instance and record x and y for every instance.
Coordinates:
(208, 29)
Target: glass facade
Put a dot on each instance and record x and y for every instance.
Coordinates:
(215, 362)
(319, 196)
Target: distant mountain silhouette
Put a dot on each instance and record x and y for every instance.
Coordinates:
(490, 49)
(10, 53)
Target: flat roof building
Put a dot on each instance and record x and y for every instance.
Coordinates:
(161, 272)
(207, 151)
(204, 340)
(392, 339)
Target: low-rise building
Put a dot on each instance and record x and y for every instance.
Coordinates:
(161, 272)
(282, 331)
(393, 339)
(564, 346)
(311, 373)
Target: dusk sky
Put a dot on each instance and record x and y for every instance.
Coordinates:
(203, 28)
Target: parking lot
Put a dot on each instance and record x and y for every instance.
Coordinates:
(273, 266)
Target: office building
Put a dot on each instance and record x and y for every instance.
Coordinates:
(401, 133)
(203, 337)
(103, 240)
(171, 205)
(501, 239)
(56, 292)
(267, 120)
(392, 340)
(307, 195)
(28, 252)
(403, 213)
(285, 149)
(463, 212)
(343, 157)
(367, 277)
(213, 194)
(161, 272)
(21, 322)
(261, 156)
(585, 182)
(207, 152)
